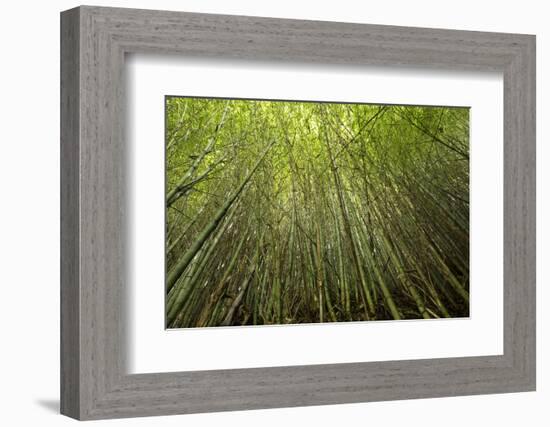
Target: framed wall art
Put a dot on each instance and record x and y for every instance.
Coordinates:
(260, 213)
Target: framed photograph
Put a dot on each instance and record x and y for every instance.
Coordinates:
(261, 213)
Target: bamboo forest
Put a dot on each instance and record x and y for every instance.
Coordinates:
(286, 212)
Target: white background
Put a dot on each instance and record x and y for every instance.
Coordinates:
(152, 349)
(29, 218)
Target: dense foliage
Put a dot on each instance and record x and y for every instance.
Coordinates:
(295, 212)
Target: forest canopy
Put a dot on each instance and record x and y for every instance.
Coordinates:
(284, 212)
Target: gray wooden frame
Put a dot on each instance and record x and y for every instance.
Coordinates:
(94, 382)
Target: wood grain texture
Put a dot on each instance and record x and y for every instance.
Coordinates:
(94, 380)
(70, 315)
